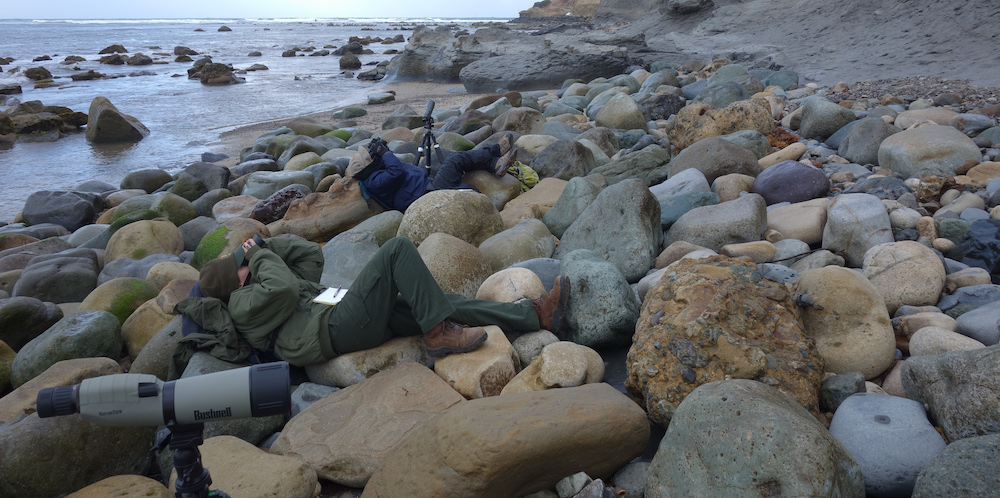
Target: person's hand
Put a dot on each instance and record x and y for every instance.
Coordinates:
(248, 244)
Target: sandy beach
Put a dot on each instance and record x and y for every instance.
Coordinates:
(412, 93)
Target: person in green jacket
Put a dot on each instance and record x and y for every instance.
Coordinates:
(269, 293)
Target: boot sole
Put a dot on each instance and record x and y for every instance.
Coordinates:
(444, 351)
(563, 301)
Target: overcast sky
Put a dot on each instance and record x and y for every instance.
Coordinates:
(114, 9)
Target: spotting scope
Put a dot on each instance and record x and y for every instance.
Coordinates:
(143, 399)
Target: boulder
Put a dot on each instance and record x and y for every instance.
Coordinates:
(457, 266)
(151, 316)
(242, 469)
(960, 390)
(332, 435)
(156, 357)
(465, 214)
(854, 224)
(32, 447)
(718, 434)
(528, 239)
(563, 159)
(520, 71)
(511, 284)
(890, 438)
(981, 324)
(533, 203)
(629, 239)
(123, 486)
(578, 194)
(699, 312)
(715, 157)
(560, 364)
(791, 181)
(484, 371)
(602, 309)
(351, 368)
(345, 255)
(697, 121)
(64, 277)
(801, 221)
(321, 215)
(846, 316)
(905, 273)
(67, 208)
(741, 220)
(22, 401)
(822, 118)
(649, 165)
(537, 439)
(621, 112)
(82, 334)
(106, 124)
(522, 120)
(143, 238)
(936, 150)
(966, 467)
(120, 296)
(862, 142)
(136, 268)
(24, 318)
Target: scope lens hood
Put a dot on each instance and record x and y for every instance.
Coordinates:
(270, 389)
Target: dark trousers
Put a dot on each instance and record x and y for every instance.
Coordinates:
(395, 295)
(459, 163)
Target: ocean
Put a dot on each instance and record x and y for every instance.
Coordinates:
(184, 117)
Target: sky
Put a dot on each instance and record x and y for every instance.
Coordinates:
(132, 9)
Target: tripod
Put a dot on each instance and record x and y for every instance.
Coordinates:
(193, 478)
(429, 143)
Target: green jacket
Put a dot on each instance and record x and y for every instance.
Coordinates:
(277, 306)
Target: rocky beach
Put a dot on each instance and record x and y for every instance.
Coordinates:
(785, 274)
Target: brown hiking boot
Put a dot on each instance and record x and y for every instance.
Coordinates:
(551, 307)
(449, 337)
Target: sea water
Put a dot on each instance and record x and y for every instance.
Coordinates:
(184, 117)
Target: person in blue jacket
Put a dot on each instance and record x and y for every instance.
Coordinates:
(396, 184)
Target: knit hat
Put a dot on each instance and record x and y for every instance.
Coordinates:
(358, 162)
(218, 278)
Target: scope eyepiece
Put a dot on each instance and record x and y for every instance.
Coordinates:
(57, 401)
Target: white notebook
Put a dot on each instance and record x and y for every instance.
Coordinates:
(331, 296)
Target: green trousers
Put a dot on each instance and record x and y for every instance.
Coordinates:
(395, 295)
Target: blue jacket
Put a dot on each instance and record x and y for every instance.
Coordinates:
(398, 184)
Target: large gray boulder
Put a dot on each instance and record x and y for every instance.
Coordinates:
(961, 389)
(32, 449)
(602, 308)
(628, 238)
(649, 165)
(563, 159)
(486, 60)
(864, 139)
(743, 219)
(967, 467)
(344, 257)
(854, 224)
(715, 157)
(78, 335)
(578, 194)
(106, 124)
(70, 209)
(936, 150)
(890, 438)
(65, 277)
(743, 438)
(24, 318)
(822, 118)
